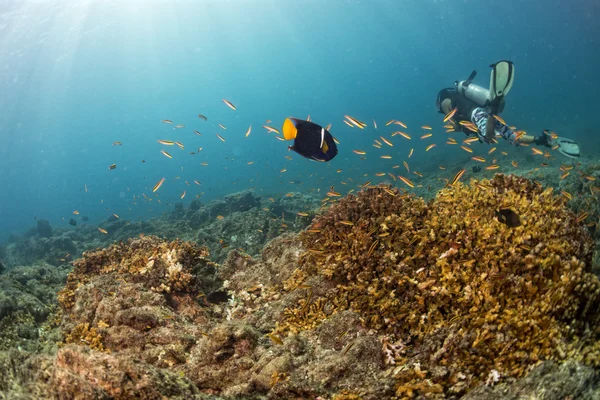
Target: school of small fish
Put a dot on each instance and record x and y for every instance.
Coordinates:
(399, 143)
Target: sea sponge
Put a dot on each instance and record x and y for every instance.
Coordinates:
(491, 276)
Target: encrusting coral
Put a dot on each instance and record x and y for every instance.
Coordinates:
(456, 290)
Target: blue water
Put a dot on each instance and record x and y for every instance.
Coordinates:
(77, 76)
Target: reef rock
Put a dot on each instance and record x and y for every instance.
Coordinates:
(43, 228)
(383, 296)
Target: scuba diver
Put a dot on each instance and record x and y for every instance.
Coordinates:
(477, 105)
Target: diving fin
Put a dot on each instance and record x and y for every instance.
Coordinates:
(566, 147)
(501, 79)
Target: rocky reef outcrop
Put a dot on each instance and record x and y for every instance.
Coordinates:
(485, 291)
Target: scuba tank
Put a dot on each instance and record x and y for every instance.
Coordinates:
(501, 81)
(473, 92)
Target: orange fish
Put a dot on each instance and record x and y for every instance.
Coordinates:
(450, 115)
(158, 185)
(229, 104)
(457, 177)
(537, 151)
(386, 141)
(405, 135)
(431, 146)
(499, 119)
(406, 181)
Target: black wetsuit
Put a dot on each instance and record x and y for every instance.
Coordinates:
(464, 106)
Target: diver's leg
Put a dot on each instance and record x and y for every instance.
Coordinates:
(484, 120)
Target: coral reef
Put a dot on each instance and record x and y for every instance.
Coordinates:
(27, 299)
(549, 380)
(463, 292)
(241, 220)
(485, 290)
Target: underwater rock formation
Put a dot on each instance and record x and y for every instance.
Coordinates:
(383, 296)
(43, 228)
(455, 293)
(27, 299)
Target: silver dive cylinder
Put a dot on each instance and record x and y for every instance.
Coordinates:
(474, 93)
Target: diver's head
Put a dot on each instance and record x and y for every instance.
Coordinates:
(446, 106)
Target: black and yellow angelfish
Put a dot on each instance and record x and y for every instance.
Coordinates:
(310, 140)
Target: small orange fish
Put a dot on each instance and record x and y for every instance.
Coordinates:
(404, 135)
(402, 124)
(467, 149)
(410, 153)
(158, 185)
(431, 146)
(166, 142)
(166, 154)
(491, 167)
(386, 141)
(480, 159)
(248, 131)
(426, 127)
(229, 104)
(270, 129)
(499, 119)
(536, 151)
(220, 137)
(406, 181)
(102, 230)
(427, 135)
(457, 177)
(360, 152)
(450, 115)
(182, 195)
